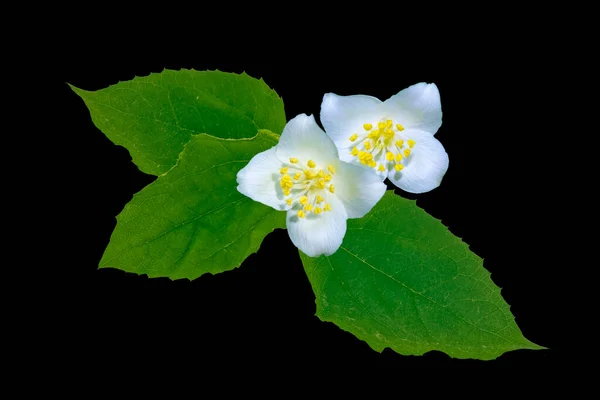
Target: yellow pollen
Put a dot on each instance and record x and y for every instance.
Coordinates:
(293, 160)
(303, 200)
(411, 143)
(389, 156)
(311, 164)
(328, 178)
(398, 157)
(367, 145)
(353, 137)
(372, 164)
(389, 133)
(332, 188)
(400, 143)
(381, 125)
(399, 127)
(399, 167)
(406, 152)
(389, 123)
(307, 207)
(321, 174)
(368, 127)
(320, 184)
(354, 151)
(283, 170)
(309, 174)
(286, 182)
(381, 168)
(319, 199)
(327, 207)
(331, 169)
(301, 214)
(286, 192)
(289, 201)
(374, 134)
(297, 175)
(317, 210)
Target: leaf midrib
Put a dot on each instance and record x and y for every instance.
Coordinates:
(425, 297)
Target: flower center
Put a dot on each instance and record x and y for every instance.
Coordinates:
(307, 186)
(383, 144)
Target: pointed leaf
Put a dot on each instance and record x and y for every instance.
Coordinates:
(154, 116)
(192, 220)
(402, 280)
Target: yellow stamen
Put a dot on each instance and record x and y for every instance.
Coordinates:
(332, 188)
(389, 156)
(297, 175)
(289, 201)
(307, 207)
(321, 174)
(381, 168)
(286, 192)
(293, 160)
(406, 152)
(320, 184)
(400, 143)
(319, 199)
(399, 127)
(368, 127)
(311, 164)
(331, 169)
(328, 178)
(327, 207)
(317, 210)
(353, 137)
(381, 125)
(309, 174)
(301, 214)
(398, 157)
(283, 170)
(372, 164)
(354, 151)
(303, 200)
(389, 123)
(374, 134)
(389, 133)
(411, 143)
(399, 167)
(367, 145)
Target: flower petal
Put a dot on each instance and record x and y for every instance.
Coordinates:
(302, 138)
(425, 167)
(318, 234)
(259, 180)
(358, 188)
(343, 116)
(417, 107)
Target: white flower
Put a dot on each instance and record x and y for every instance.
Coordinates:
(304, 176)
(395, 137)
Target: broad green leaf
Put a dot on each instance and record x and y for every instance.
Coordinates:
(154, 116)
(192, 220)
(402, 280)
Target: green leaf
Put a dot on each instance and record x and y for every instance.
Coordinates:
(192, 220)
(154, 116)
(402, 280)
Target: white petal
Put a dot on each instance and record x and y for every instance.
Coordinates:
(259, 180)
(319, 234)
(425, 167)
(302, 138)
(417, 106)
(358, 188)
(343, 116)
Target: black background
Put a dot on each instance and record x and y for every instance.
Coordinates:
(495, 195)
